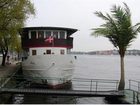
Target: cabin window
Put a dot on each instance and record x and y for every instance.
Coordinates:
(33, 34)
(62, 52)
(55, 34)
(62, 35)
(47, 34)
(29, 35)
(48, 51)
(40, 34)
(33, 52)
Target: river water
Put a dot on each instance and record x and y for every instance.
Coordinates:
(106, 67)
(91, 67)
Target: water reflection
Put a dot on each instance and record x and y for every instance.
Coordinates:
(43, 99)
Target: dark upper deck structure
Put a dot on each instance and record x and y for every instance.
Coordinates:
(36, 36)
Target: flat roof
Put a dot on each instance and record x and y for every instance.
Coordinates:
(69, 30)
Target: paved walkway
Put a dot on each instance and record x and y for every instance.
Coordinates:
(5, 71)
(8, 70)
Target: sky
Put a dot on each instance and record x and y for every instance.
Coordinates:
(79, 14)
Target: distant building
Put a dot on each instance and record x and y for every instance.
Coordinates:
(133, 52)
(114, 52)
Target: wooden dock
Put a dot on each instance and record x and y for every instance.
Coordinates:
(63, 92)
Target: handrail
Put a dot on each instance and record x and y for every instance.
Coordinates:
(134, 85)
(81, 83)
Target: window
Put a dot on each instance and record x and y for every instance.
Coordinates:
(33, 52)
(29, 35)
(47, 34)
(40, 34)
(62, 35)
(55, 34)
(62, 52)
(48, 51)
(33, 34)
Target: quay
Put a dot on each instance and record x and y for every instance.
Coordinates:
(6, 72)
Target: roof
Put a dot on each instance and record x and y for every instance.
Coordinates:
(69, 30)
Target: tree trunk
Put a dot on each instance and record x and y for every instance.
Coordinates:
(3, 59)
(122, 79)
(4, 54)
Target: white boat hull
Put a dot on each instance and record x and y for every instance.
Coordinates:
(51, 69)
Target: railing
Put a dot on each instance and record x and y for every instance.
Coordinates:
(95, 84)
(134, 85)
(77, 83)
(132, 94)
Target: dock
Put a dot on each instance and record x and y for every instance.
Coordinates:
(80, 87)
(64, 92)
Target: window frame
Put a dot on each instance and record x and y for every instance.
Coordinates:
(34, 52)
(48, 51)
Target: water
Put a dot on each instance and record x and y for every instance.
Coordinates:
(106, 67)
(92, 67)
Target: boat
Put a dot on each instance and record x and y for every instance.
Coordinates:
(46, 55)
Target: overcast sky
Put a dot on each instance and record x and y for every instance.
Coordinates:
(79, 14)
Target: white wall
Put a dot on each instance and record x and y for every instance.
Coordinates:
(42, 50)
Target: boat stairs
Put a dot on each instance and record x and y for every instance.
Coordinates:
(80, 87)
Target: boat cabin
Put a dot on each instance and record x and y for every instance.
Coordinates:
(46, 40)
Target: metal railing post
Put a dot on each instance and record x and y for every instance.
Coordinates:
(129, 84)
(91, 85)
(96, 85)
(116, 85)
(0, 82)
(133, 97)
(138, 86)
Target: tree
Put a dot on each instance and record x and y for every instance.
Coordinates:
(120, 32)
(13, 14)
(16, 46)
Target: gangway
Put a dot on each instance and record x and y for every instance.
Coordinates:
(80, 87)
(63, 92)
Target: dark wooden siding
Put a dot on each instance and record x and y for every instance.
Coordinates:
(40, 42)
(68, 43)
